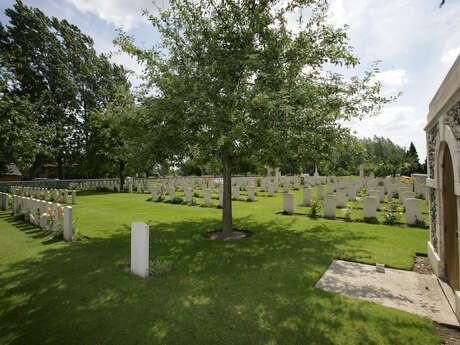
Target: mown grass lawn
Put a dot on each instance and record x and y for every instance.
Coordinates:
(258, 290)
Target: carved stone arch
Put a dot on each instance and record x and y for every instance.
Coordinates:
(453, 143)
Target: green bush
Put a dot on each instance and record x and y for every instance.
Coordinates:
(315, 208)
(177, 200)
(158, 267)
(420, 196)
(348, 215)
(392, 213)
(419, 223)
(371, 220)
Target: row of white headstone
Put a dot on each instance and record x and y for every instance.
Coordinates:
(56, 195)
(413, 206)
(38, 208)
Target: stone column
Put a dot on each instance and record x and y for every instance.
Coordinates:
(74, 197)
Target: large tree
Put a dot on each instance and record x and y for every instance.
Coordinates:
(231, 78)
(52, 65)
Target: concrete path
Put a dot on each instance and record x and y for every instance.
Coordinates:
(406, 290)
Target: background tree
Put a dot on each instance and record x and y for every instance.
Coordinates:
(231, 79)
(19, 132)
(53, 65)
(112, 130)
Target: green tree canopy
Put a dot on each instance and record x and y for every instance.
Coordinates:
(53, 66)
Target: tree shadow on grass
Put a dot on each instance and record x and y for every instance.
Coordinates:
(257, 290)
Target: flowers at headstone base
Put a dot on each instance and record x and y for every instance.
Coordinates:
(392, 213)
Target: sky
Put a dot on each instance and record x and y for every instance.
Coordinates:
(416, 41)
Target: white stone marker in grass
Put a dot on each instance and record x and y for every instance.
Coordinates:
(351, 191)
(251, 192)
(172, 193)
(271, 189)
(155, 193)
(341, 198)
(68, 224)
(140, 249)
(207, 197)
(288, 203)
(66, 196)
(413, 210)
(43, 220)
(74, 197)
(369, 208)
(236, 192)
(306, 197)
(329, 206)
(376, 194)
(286, 185)
(406, 195)
(320, 192)
(188, 194)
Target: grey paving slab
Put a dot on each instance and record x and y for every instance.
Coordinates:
(406, 290)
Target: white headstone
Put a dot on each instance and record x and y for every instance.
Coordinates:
(413, 210)
(288, 203)
(236, 192)
(140, 249)
(329, 206)
(306, 196)
(68, 224)
(376, 194)
(320, 192)
(341, 198)
(404, 196)
(207, 197)
(251, 193)
(369, 207)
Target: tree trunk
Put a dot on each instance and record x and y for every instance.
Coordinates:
(121, 175)
(227, 200)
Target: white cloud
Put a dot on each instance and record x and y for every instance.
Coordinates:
(392, 78)
(127, 14)
(351, 13)
(449, 56)
(401, 124)
(392, 81)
